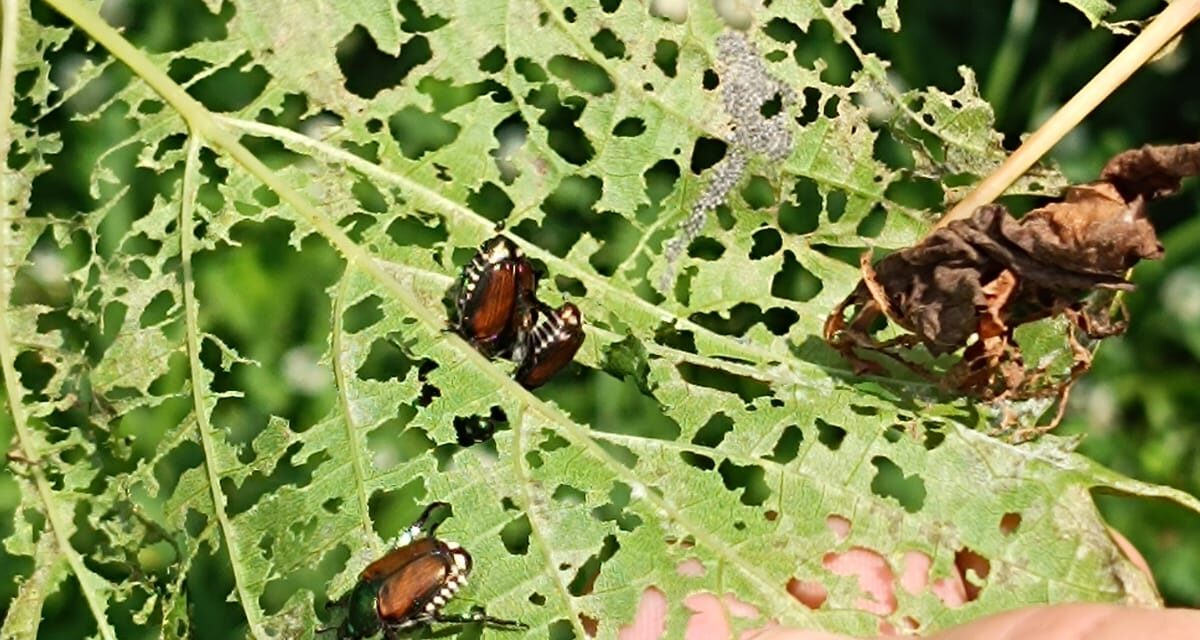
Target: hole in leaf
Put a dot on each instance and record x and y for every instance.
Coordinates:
(704, 463)
(872, 224)
(811, 594)
(491, 202)
(231, 88)
(530, 70)
(933, 435)
(493, 61)
(660, 180)
(713, 432)
(384, 362)
(332, 505)
(415, 20)
(510, 136)
(418, 132)
(613, 511)
(811, 99)
(780, 320)
(772, 106)
(1010, 522)
(788, 446)
(890, 482)
(740, 318)
(839, 526)
(608, 44)
(706, 153)
(801, 213)
(569, 494)
(429, 392)
(831, 107)
(795, 282)
(413, 231)
(749, 478)
(393, 442)
(706, 248)
(915, 193)
(585, 577)
(691, 568)
(649, 620)
(845, 255)
(666, 55)
(368, 70)
(710, 80)
(572, 286)
(393, 511)
(515, 536)
(591, 626)
(560, 118)
(830, 435)
(745, 388)
(571, 202)
(874, 576)
(758, 193)
(157, 309)
(630, 128)
(767, 242)
(560, 630)
(974, 570)
(835, 205)
(584, 75)
(474, 429)
(864, 410)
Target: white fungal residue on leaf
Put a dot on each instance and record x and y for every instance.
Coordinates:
(746, 88)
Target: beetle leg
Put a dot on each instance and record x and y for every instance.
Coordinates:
(420, 522)
(329, 604)
(478, 616)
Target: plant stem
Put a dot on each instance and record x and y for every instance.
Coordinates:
(55, 508)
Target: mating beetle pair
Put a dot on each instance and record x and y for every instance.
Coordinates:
(499, 313)
(410, 585)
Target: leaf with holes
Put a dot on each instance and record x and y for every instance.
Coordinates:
(229, 255)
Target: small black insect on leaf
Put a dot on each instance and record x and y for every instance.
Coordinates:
(478, 428)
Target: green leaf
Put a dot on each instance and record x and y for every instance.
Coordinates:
(224, 345)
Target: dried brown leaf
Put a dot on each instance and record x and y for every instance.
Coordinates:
(971, 283)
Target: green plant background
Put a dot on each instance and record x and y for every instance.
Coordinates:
(269, 299)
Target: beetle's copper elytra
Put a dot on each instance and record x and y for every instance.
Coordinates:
(549, 345)
(409, 586)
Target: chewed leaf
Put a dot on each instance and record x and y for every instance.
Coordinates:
(230, 263)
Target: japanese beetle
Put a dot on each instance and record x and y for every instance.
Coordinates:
(410, 585)
(548, 342)
(492, 283)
